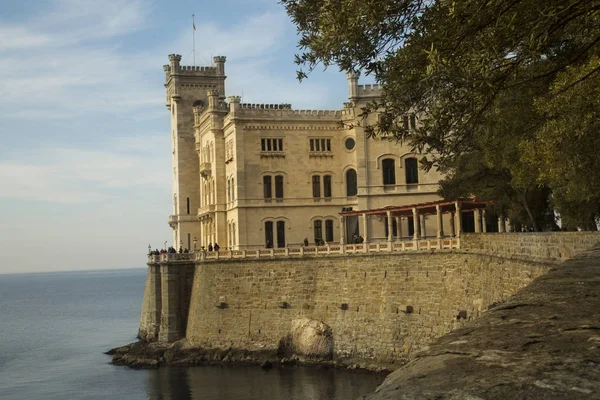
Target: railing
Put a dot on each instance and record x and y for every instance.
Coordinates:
(329, 249)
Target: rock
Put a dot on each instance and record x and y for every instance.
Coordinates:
(309, 339)
(266, 365)
(542, 343)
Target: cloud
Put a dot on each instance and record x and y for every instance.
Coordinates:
(71, 175)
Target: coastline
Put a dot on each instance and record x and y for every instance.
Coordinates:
(149, 355)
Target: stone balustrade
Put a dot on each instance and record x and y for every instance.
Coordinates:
(302, 251)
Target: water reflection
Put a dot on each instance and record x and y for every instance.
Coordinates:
(252, 383)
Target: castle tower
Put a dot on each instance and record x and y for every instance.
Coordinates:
(186, 87)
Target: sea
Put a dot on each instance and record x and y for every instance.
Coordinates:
(55, 327)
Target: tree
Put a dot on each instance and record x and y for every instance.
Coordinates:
(485, 77)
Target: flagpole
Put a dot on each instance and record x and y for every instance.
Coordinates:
(194, 38)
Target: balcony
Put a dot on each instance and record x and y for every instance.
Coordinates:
(207, 209)
(205, 169)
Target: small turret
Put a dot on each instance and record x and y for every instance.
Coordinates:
(175, 60)
(234, 103)
(220, 64)
(352, 84)
(213, 97)
(220, 70)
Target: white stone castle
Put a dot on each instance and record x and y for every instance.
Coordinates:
(266, 175)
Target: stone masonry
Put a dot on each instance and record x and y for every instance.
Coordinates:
(381, 307)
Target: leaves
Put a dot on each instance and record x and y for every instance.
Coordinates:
(507, 81)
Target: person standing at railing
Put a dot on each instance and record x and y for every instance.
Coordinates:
(210, 247)
(305, 242)
(216, 247)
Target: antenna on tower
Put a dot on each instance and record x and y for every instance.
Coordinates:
(194, 38)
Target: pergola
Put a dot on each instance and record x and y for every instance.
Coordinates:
(437, 208)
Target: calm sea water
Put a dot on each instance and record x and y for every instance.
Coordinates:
(54, 328)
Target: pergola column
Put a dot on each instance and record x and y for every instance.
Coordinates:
(365, 228)
(342, 230)
(399, 228)
(415, 223)
(440, 223)
(483, 222)
(390, 226)
(508, 225)
(452, 227)
(458, 219)
(423, 227)
(477, 215)
(501, 223)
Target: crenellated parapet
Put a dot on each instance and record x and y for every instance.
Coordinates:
(285, 110)
(369, 90)
(266, 106)
(176, 68)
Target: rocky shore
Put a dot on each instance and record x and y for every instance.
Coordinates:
(309, 343)
(543, 343)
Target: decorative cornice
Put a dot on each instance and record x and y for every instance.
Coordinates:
(293, 128)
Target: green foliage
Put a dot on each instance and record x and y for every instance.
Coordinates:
(512, 83)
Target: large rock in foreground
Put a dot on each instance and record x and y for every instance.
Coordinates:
(543, 343)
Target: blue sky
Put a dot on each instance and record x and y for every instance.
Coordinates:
(85, 158)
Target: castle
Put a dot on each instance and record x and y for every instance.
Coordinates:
(265, 175)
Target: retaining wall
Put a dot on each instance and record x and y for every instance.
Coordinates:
(381, 306)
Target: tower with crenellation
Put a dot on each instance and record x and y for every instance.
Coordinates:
(186, 89)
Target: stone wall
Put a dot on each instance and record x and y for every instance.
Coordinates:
(381, 307)
(548, 246)
(366, 299)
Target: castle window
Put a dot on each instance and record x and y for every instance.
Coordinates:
(350, 143)
(188, 205)
(279, 186)
(409, 122)
(271, 147)
(268, 234)
(232, 189)
(316, 186)
(318, 230)
(329, 230)
(412, 170)
(320, 147)
(267, 186)
(327, 186)
(388, 166)
(229, 151)
(351, 183)
(280, 234)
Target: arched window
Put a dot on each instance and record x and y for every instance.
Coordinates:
(412, 170)
(329, 230)
(279, 186)
(280, 234)
(351, 183)
(232, 189)
(388, 166)
(316, 186)
(233, 235)
(267, 186)
(228, 190)
(318, 230)
(327, 186)
(269, 234)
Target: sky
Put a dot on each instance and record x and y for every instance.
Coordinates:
(85, 152)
